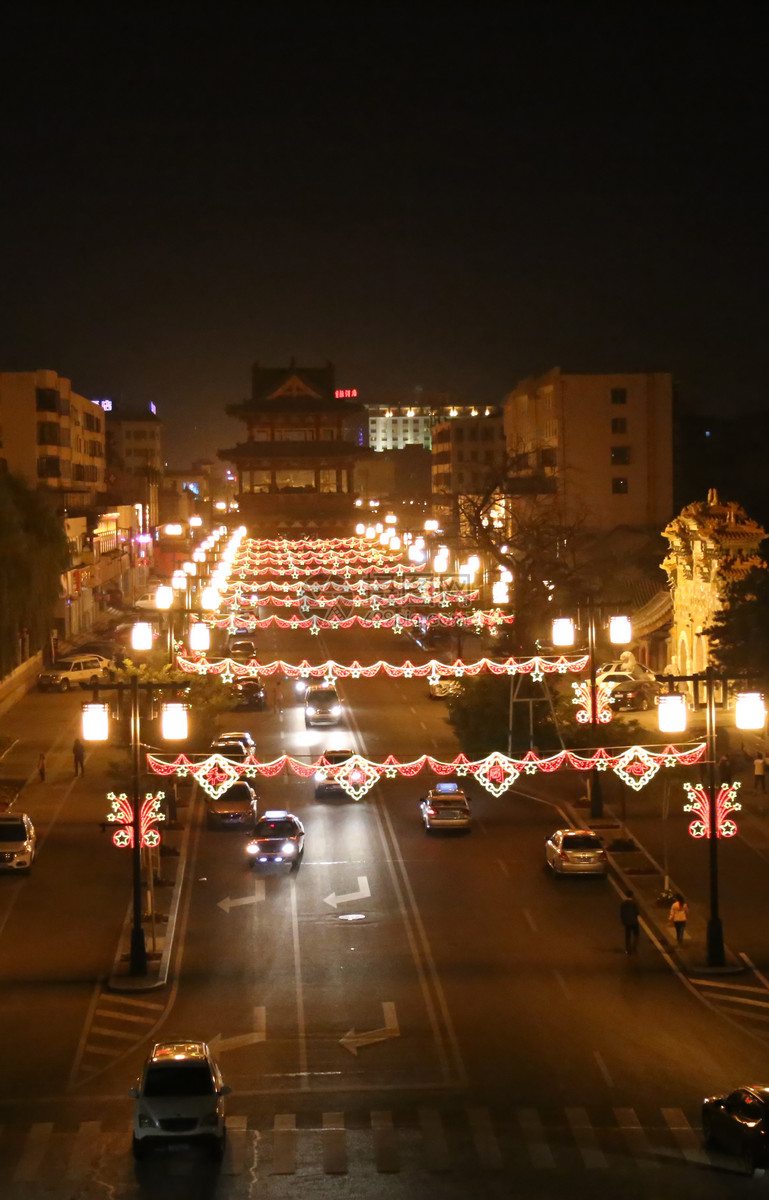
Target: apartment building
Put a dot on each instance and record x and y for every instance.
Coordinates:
(602, 443)
(469, 453)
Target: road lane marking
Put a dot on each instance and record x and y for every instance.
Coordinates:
(300, 1016)
(531, 921)
(83, 1149)
(738, 987)
(363, 892)
(563, 984)
(134, 1003)
(284, 1144)
(352, 1041)
(434, 1140)
(485, 1139)
(256, 898)
(502, 867)
(35, 1146)
(239, 1040)
(115, 1015)
(540, 1154)
(114, 1033)
(635, 1138)
(585, 1136)
(234, 1160)
(334, 1144)
(604, 1070)
(385, 1149)
(688, 1142)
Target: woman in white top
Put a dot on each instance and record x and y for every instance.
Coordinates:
(679, 912)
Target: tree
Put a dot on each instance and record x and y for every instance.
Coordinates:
(739, 633)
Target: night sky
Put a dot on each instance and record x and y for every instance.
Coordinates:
(451, 203)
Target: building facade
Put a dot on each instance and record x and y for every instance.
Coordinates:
(407, 420)
(469, 454)
(605, 443)
(295, 469)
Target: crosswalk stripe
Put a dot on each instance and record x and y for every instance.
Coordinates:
(35, 1146)
(689, 1142)
(635, 1137)
(530, 1122)
(284, 1144)
(723, 986)
(385, 1150)
(104, 1051)
(234, 1160)
(132, 1001)
(434, 1139)
(485, 1139)
(114, 1015)
(83, 1149)
(585, 1137)
(334, 1144)
(113, 1033)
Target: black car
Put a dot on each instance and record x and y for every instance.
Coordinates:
(278, 838)
(637, 694)
(739, 1122)
(235, 808)
(249, 694)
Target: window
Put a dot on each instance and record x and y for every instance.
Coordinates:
(48, 467)
(619, 395)
(47, 433)
(619, 485)
(620, 455)
(547, 457)
(47, 399)
(327, 435)
(619, 424)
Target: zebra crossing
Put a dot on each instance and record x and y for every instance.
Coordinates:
(118, 1023)
(425, 1140)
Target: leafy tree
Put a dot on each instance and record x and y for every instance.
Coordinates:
(739, 633)
(206, 695)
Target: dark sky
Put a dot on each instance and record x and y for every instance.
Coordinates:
(453, 203)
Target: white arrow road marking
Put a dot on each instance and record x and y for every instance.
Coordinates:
(257, 897)
(219, 1043)
(352, 1041)
(363, 891)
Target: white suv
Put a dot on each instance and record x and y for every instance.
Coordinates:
(179, 1098)
(87, 669)
(17, 842)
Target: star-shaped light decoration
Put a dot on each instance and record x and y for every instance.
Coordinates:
(121, 813)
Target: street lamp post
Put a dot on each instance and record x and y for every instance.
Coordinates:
(96, 728)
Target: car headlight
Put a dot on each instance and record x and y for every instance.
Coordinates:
(320, 776)
(335, 710)
(252, 848)
(300, 687)
(210, 1118)
(146, 1121)
(311, 710)
(288, 848)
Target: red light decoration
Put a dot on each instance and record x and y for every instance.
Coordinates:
(122, 814)
(357, 775)
(603, 708)
(725, 803)
(432, 671)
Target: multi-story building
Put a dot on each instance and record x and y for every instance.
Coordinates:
(408, 420)
(602, 443)
(135, 456)
(295, 470)
(52, 437)
(469, 454)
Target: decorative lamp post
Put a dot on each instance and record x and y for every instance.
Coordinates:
(141, 636)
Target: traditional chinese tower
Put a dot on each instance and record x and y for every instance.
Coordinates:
(295, 469)
(711, 545)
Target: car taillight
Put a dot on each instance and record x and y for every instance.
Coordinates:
(431, 812)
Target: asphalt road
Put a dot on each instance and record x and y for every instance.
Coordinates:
(404, 1014)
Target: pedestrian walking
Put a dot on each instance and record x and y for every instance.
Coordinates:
(679, 914)
(759, 772)
(78, 753)
(628, 915)
(725, 770)
(41, 767)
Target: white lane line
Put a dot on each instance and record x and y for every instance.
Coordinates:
(585, 1136)
(485, 1139)
(385, 1148)
(112, 1014)
(755, 970)
(742, 1000)
(334, 1145)
(688, 1142)
(104, 1051)
(83, 1149)
(540, 1154)
(603, 1069)
(531, 921)
(300, 1017)
(563, 985)
(434, 1140)
(284, 1144)
(737, 987)
(502, 867)
(129, 1000)
(635, 1138)
(234, 1160)
(35, 1146)
(114, 1033)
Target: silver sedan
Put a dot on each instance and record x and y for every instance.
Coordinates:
(575, 852)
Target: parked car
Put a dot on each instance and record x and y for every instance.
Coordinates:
(637, 694)
(321, 706)
(445, 807)
(18, 842)
(739, 1123)
(146, 602)
(622, 672)
(179, 1098)
(575, 852)
(113, 650)
(85, 669)
(235, 808)
(326, 784)
(278, 838)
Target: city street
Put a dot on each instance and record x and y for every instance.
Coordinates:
(403, 1014)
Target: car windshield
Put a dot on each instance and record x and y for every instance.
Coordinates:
(178, 1080)
(335, 757)
(239, 793)
(275, 829)
(581, 841)
(12, 831)
(65, 665)
(322, 696)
